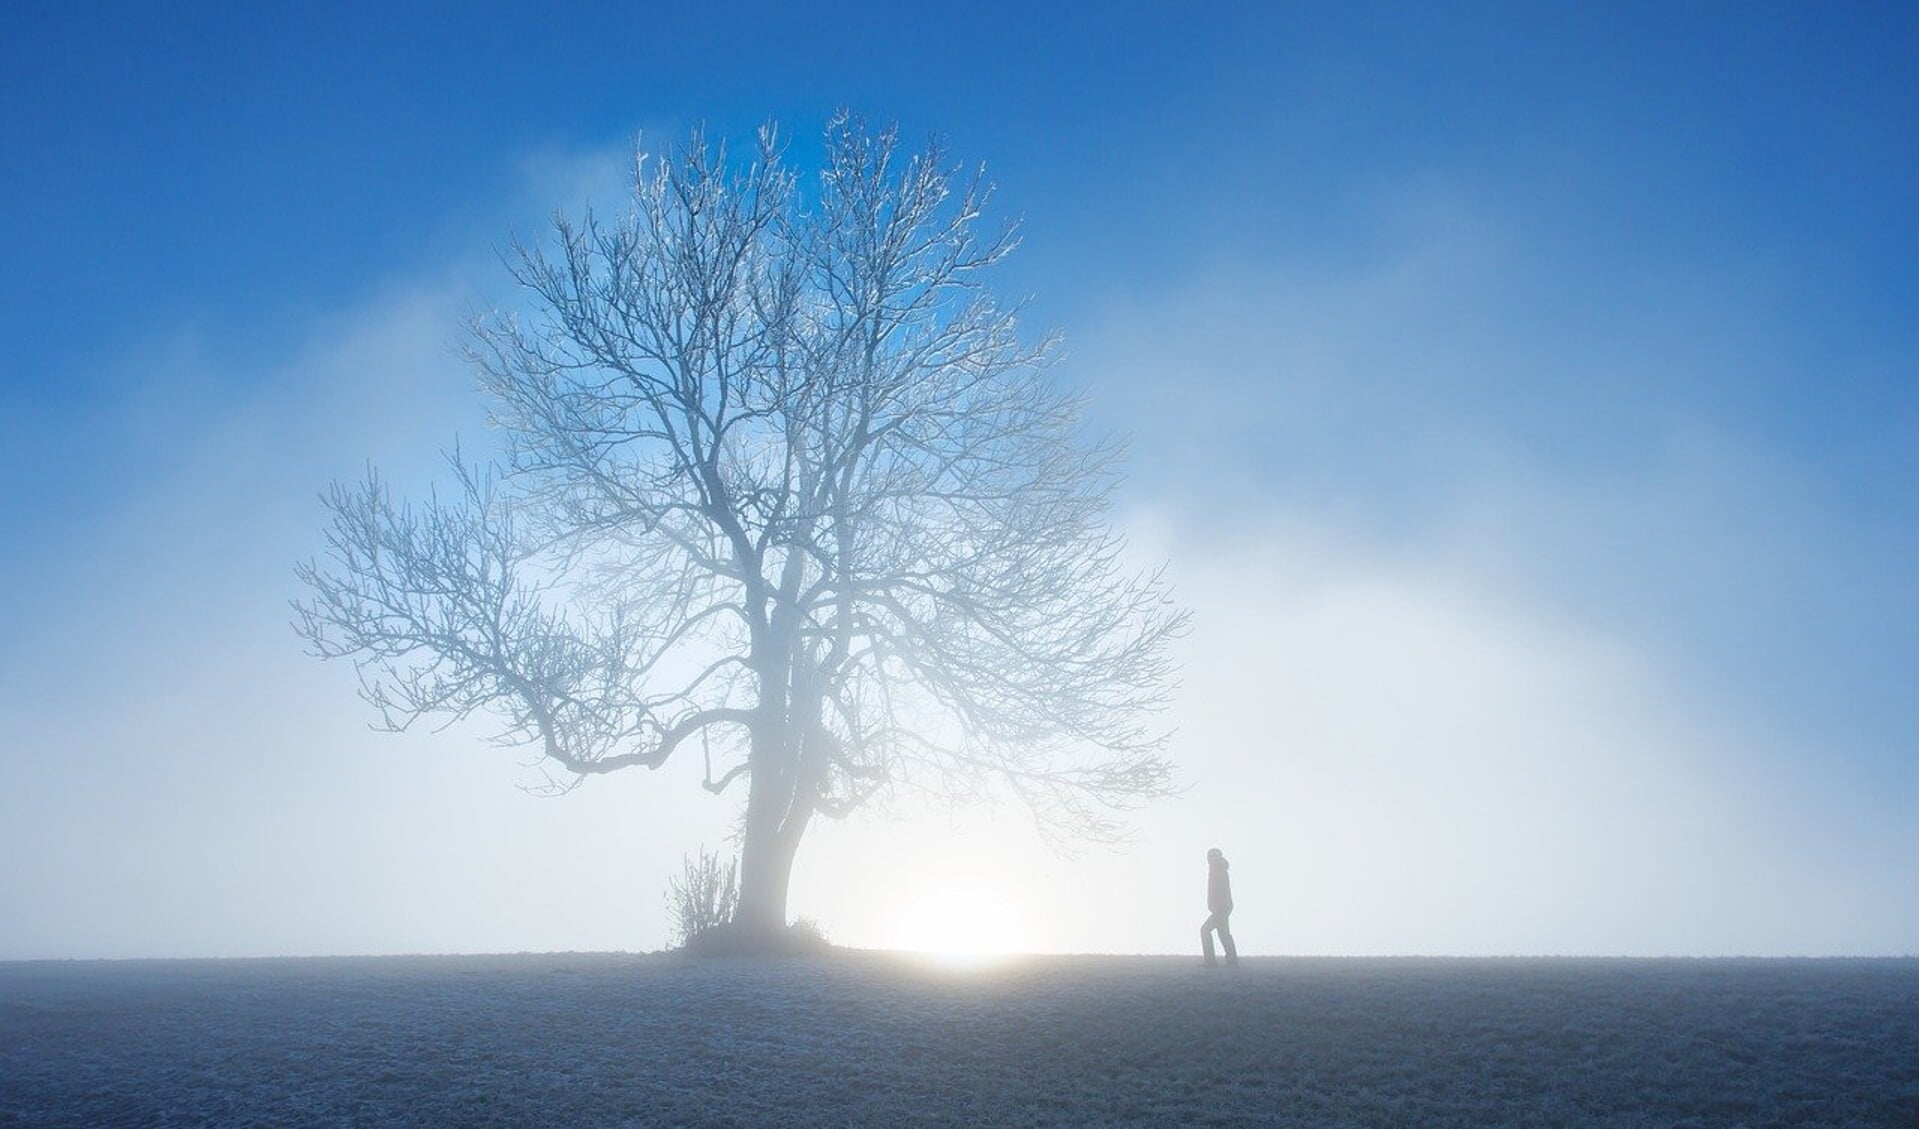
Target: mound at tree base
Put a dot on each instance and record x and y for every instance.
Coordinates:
(734, 939)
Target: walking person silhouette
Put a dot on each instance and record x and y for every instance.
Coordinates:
(1219, 905)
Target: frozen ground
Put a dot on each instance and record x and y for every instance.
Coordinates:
(869, 1040)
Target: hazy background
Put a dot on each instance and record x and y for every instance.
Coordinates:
(1525, 400)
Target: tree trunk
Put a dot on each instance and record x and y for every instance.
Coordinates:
(766, 867)
(780, 795)
(766, 852)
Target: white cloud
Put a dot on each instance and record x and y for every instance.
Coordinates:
(1400, 761)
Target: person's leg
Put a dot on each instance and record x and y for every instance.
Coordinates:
(1206, 940)
(1226, 940)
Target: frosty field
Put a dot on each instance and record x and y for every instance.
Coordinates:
(866, 1039)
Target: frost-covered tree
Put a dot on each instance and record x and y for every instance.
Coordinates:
(783, 485)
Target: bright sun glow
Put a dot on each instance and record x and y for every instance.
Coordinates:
(958, 927)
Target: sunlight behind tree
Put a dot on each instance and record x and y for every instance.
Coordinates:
(961, 926)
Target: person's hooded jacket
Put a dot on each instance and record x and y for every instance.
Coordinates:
(1219, 888)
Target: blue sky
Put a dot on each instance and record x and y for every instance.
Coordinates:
(1543, 379)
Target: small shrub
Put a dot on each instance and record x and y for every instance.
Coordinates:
(703, 897)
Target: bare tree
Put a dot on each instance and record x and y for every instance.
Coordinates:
(782, 482)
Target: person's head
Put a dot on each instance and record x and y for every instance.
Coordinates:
(1215, 856)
